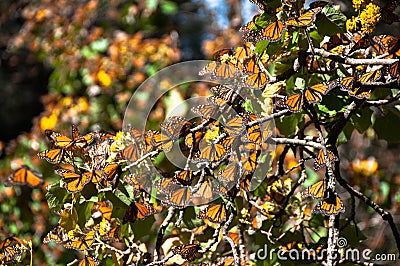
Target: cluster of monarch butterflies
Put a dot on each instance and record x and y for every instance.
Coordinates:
(224, 147)
(367, 47)
(104, 227)
(331, 204)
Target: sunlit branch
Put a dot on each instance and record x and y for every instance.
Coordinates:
(160, 236)
(354, 61)
(297, 142)
(141, 159)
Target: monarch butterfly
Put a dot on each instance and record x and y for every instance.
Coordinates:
(253, 133)
(83, 243)
(293, 102)
(393, 70)
(385, 43)
(57, 235)
(364, 92)
(176, 126)
(251, 65)
(74, 182)
(140, 211)
(331, 205)
(214, 213)
(230, 174)
(320, 161)
(209, 68)
(234, 126)
(371, 76)
(305, 19)
(187, 252)
(359, 41)
(319, 65)
(224, 92)
(314, 93)
(166, 185)
(208, 110)
(184, 177)
(10, 248)
(131, 153)
(245, 182)
(273, 32)
(226, 70)
(243, 52)
(204, 194)
(179, 197)
(89, 261)
(25, 176)
(134, 133)
(249, 26)
(258, 78)
(54, 156)
(163, 141)
(234, 235)
(139, 182)
(213, 152)
(113, 232)
(101, 208)
(231, 142)
(111, 173)
(249, 162)
(223, 54)
(61, 141)
(193, 139)
(345, 84)
(336, 40)
(100, 152)
(317, 190)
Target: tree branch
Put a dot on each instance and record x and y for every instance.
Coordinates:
(386, 216)
(354, 61)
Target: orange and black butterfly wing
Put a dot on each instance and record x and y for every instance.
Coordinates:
(54, 156)
(25, 176)
(214, 213)
(331, 205)
(317, 190)
(292, 102)
(74, 182)
(320, 160)
(89, 261)
(187, 252)
(273, 32)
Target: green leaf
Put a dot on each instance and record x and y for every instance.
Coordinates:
(331, 21)
(55, 197)
(169, 7)
(362, 120)
(88, 53)
(300, 83)
(261, 46)
(100, 45)
(345, 135)
(287, 124)
(387, 126)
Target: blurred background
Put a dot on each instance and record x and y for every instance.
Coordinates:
(64, 62)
